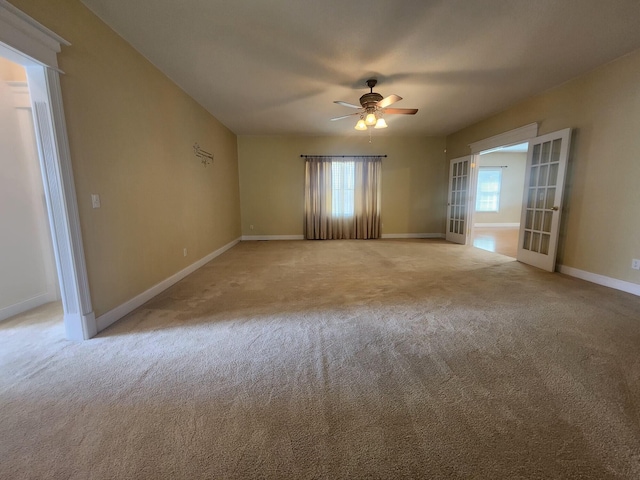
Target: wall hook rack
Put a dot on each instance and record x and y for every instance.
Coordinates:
(205, 157)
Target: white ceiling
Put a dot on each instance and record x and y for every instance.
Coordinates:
(265, 67)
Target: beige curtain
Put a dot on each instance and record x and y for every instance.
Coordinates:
(320, 221)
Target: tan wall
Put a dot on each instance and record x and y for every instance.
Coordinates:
(131, 132)
(272, 180)
(600, 232)
(512, 187)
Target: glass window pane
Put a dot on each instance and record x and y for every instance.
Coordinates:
(535, 242)
(531, 200)
(546, 224)
(534, 177)
(528, 223)
(551, 198)
(537, 221)
(553, 174)
(546, 150)
(342, 188)
(555, 150)
(544, 246)
(488, 190)
(526, 244)
(540, 198)
(535, 159)
(542, 175)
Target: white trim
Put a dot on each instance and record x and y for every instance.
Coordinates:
(62, 206)
(622, 285)
(271, 237)
(517, 135)
(27, 304)
(412, 235)
(107, 319)
(29, 38)
(497, 225)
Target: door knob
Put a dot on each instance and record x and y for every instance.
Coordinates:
(555, 209)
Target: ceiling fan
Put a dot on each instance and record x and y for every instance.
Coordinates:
(372, 107)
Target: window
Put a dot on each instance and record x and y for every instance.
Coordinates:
(488, 194)
(342, 197)
(342, 188)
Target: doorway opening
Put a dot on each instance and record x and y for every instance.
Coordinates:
(28, 276)
(496, 210)
(543, 187)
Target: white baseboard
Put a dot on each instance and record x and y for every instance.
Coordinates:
(412, 235)
(27, 304)
(271, 237)
(106, 319)
(622, 285)
(516, 224)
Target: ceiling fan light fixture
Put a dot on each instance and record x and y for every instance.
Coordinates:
(372, 108)
(361, 125)
(370, 119)
(381, 123)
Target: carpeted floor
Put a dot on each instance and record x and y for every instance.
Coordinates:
(338, 360)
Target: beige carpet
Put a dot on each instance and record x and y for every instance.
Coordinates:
(336, 360)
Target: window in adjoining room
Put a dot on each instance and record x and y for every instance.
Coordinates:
(488, 194)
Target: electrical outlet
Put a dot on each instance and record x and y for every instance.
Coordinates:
(251, 227)
(635, 264)
(95, 200)
(184, 252)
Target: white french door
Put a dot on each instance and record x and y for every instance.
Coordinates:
(542, 199)
(458, 199)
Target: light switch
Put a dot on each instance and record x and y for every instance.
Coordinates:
(95, 200)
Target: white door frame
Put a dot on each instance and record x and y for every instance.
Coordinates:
(27, 42)
(511, 137)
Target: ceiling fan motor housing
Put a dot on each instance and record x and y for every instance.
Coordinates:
(369, 100)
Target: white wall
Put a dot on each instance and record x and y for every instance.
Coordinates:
(27, 266)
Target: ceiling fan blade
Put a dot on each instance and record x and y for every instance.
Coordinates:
(385, 102)
(401, 111)
(345, 116)
(345, 104)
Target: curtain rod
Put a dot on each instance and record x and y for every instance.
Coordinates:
(344, 156)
